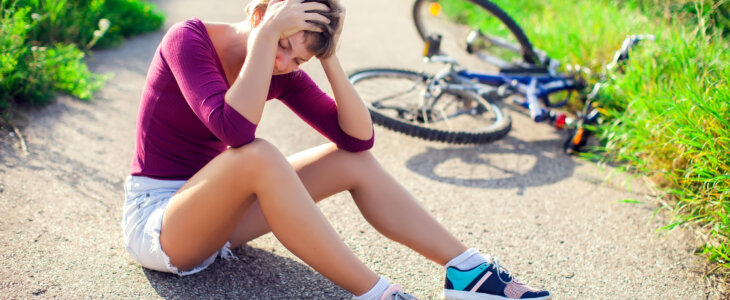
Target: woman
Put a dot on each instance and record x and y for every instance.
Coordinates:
(201, 182)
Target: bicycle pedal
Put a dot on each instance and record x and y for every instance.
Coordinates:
(433, 45)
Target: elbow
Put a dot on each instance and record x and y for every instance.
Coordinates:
(232, 128)
(361, 149)
(356, 145)
(241, 141)
(237, 136)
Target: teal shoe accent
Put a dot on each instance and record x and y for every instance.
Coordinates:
(461, 279)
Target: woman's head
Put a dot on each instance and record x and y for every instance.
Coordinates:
(321, 44)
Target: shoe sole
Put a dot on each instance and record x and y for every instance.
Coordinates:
(464, 295)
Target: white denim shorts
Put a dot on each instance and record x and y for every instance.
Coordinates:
(145, 201)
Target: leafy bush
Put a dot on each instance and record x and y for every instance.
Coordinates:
(75, 21)
(43, 44)
(32, 73)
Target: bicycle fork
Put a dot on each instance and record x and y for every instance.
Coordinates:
(537, 112)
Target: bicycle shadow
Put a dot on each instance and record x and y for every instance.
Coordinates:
(258, 274)
(507, 164)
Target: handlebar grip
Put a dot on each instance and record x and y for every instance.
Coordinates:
(629, 42)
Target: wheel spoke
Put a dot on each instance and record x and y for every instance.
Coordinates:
(401, 100)
(377, 101)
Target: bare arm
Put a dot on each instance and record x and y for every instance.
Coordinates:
(248, 93)
(352, 114)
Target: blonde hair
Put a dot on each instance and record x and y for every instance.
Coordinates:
(321, 44)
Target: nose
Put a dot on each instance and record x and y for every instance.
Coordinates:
(283, 64)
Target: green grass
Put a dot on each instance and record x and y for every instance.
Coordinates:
(32, 72)
(44, 42)
(671, 110)
(667, 114)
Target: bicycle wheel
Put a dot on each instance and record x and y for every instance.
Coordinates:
(396, 101)
(477, 27)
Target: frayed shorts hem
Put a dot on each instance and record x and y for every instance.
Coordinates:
(146, 200)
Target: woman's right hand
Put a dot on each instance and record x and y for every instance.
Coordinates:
(287, 17)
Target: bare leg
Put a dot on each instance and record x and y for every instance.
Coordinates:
(384, 203)
(205, 212)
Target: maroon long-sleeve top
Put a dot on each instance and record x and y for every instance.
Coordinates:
(184, 121)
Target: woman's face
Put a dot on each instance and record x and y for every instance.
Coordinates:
(291, 52)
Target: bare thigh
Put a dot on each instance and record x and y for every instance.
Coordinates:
(203, 214)
(324, 170)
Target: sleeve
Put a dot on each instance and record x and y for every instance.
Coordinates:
(189, 56)
(302, 95)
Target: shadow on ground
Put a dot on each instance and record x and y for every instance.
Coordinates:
(258, 274)
(508, 164)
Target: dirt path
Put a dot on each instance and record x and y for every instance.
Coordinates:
(554, 220)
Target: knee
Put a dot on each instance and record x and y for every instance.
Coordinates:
(259, 155)
(360, 165)
(363, 159)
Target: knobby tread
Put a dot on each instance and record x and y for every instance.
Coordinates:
(453, 137)
(528, 52)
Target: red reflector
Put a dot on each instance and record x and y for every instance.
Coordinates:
(560, 121)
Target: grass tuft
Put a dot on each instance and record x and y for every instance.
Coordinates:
(668, 114)
(44, 43)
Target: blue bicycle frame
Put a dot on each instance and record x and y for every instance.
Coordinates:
(531, 86)
(534, 86)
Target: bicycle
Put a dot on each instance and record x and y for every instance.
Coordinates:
(458, 105)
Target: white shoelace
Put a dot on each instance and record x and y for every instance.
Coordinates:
(400, 296)
(500, 269)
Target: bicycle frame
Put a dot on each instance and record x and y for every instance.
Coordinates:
(531, 86)
(545, 84)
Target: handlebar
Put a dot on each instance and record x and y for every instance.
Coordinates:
(628, 43)
(440, 59)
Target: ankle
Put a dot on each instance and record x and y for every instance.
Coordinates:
(376, 291)
(467, 260)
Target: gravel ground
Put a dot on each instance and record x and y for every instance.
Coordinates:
(555, 221)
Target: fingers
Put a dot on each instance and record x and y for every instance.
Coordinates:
(314, 7)
(315, 17)
(272, 2)
(294, 15)
(310, 26)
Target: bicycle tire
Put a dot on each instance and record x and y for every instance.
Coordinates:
(528, 53)
(501, 126)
